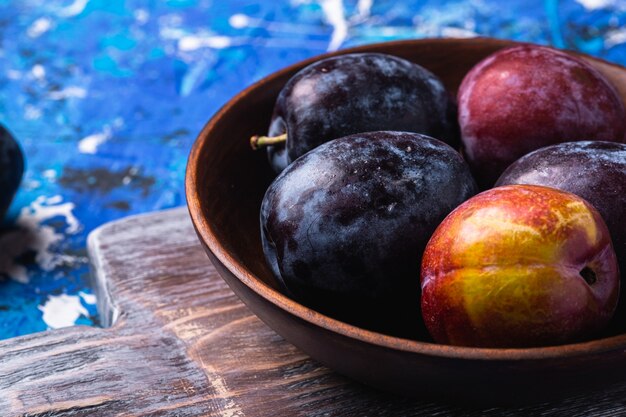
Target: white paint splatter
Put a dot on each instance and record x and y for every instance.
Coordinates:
(364, 8)
(194, 76)
(171, 33)
(452, 32)
(31, 184)
(34, 236)
(595, 4)
(32, 217)
(49, 174)
(90, 144)
(31, 112)
(68, 92)
(191, 43)
(88, 298)
(39, 27)
(38, 71)
(62, 310)
(335, 16)
(47, 208)
(239, 21)
(73, 9)
(615, 37)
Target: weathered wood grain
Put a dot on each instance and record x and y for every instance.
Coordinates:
(182, 344)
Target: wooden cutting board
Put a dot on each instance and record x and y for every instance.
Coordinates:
(182, 344)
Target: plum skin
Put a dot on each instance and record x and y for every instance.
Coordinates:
(11, 169)
(344, 226)
(526, 97)
(593, 170)
(356, 93)
(519, 266)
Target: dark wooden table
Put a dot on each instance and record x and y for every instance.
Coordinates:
(182, 344)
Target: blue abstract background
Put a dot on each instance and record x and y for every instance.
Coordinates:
(106, 98)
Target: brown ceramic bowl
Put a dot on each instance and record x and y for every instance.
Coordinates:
(225, 183)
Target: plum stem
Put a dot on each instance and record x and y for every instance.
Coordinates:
(257, 141)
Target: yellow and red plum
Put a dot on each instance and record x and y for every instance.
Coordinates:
(593, 170)
(344, 226)
(527, 97)
(519, 266)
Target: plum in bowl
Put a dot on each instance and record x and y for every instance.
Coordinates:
(225, 184)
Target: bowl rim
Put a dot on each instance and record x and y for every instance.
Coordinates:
(207, 235)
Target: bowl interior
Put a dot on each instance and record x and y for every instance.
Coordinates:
(226, 180)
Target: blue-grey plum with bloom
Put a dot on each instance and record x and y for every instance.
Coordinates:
(356, 93)
(345, 225)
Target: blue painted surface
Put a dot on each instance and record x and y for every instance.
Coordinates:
(106, 97)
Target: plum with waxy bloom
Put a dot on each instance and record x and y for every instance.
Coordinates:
(519, 266)
(354, 93)
(344, 226)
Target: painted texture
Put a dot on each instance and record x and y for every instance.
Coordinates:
(106, 98)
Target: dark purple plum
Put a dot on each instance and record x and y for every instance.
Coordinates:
(356, 93)
(11, 169)
(345, 225)
(593, 170)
